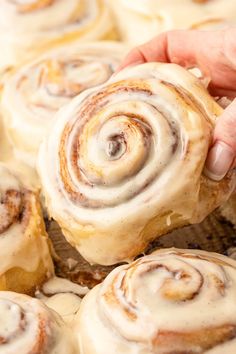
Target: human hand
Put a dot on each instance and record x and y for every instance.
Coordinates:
(214, 53)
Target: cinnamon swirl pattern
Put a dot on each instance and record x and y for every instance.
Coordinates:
(140, 20)
(124, 161)
(33, 94)
(172, 301)
(28, 27)
(24, 248)
(29, 327)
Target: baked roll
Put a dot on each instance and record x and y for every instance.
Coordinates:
(29, 27)
(24, 246)
(33, 93)
(124, 162)
(27, 326)
(172, 301)
(228, 210)
(140, 20)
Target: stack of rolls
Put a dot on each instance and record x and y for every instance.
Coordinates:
(34, 92)
(120, 157)
(28, 27)
(140, 20)
(124, 162)
(24, 245)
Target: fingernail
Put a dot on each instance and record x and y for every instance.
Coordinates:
(220, 159)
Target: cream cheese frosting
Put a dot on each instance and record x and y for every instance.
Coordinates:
(170, 301)
(141, 20)
(36, 91)
(30, 327)
(124, 162)
(26, 27)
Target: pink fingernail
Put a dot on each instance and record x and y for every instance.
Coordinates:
(220, 159)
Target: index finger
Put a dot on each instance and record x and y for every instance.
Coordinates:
(181, 47)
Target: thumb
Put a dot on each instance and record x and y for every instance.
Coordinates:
(222, 154)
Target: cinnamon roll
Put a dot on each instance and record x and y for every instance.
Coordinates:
(24, 247)
(34, 92)
(228, 210)
(124, 162)
(27, 326)
(140, 20)
(172, 301)
(28, 27)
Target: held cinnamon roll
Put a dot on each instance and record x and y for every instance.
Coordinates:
(27, 326)
(24, 248)
(124, 162)
(34, 93)
(140, 20)
(172, 301)
(28, 27)
(228, 210)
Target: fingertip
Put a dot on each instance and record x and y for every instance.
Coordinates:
(219, 161)
(132, 58)
(123, 66)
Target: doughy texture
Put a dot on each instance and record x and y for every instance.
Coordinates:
(228, 210)
(33, 93)
(28, 27)
(172, 301)
(27, 326)
(24, 246)
(124, 162)
(140, 20)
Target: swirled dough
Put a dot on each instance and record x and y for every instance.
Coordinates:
(172, 301)
(27, 326)
(33, 93)
(124, 162)
(140, 20)
(29, 27)
(24, 245)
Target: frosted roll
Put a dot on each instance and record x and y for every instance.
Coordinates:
(124, 161)
(172, 301)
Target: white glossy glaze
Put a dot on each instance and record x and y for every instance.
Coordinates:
(35, 92)
(141, 20)
(161, 119)
(169, 294)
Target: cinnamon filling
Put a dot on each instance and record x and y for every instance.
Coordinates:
(34, 5)
(53, 78)
(11, 207)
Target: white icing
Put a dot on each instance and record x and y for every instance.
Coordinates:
(19, 245)
(28, 326)
(66, 304)
(23, 34)
(34, 93)
(61, 285)
(23, 171)
(148, 179)
(140, 20)
(62, 296)
(166, 291)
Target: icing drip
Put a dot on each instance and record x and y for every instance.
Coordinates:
(62, 296)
